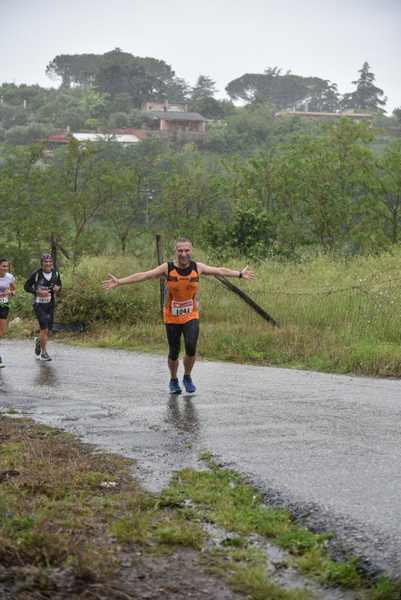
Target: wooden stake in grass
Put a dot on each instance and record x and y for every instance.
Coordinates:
(159, 251)
(247, 299)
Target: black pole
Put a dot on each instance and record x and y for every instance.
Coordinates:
(247, 299)
(160, 260)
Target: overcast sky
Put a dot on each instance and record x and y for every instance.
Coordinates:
(220, 38)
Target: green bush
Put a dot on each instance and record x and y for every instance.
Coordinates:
(251, 233)
(83, 299)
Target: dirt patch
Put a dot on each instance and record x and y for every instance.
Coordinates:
(176, 577)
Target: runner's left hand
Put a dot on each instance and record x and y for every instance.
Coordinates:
(247, 274)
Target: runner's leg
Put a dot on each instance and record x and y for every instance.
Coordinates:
(3, 326)
(174, 342)
(191, 334)
(43, 315)
(3, 329)
(43, 339)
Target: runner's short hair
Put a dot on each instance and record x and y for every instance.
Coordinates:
(46, 256)
(4, 260)
(182, 241)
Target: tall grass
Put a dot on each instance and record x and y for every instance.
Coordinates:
(335, 314)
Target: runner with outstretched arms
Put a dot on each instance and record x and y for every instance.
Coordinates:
(181, 307)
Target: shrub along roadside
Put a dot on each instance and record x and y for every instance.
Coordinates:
(73, 520)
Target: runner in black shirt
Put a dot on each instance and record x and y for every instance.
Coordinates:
(44, 284)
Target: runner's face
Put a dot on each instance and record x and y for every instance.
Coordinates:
(183, 253)
(47, 265)
(3, 268)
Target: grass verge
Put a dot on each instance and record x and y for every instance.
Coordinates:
(74, 521)
(336, 314)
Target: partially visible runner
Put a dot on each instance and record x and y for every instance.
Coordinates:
(181, 307)
(44, 284)
(7, 289)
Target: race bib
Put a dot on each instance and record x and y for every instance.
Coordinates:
(41, 300)
(4, 300)
(181, 308)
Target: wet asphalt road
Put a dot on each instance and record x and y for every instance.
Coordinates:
(326, 445)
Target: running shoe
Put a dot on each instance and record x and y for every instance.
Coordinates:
(174, 386)
(37, 346)
(190, 388)
(2, 365)
(45, 356)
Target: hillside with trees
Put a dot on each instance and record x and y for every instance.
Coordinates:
(256, 184)
(106, 91)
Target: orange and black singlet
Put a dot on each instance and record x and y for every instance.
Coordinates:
(181, 298)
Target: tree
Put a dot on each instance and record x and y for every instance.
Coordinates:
(121, 73)
(118, 120)
(21, 194)
(188, 189)
(18, 95)
(324, 188)
(367, 96)
(324, 97)
(209, 107)
(80, 188)
(397, 114)
(117, 72)
(34, 132)
(31, 191)
(390, 190)
(64, 109)
(202, 98)
(122, 187)
(92, 102)
(205, 87)
(249, 127)
(282, 91)
(177, 90)
(252, 232)
(78, 69)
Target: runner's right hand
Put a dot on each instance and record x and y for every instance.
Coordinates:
(43, 293)
(111, 283)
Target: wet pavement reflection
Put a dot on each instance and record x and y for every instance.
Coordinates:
(46, 375)
(183, 415)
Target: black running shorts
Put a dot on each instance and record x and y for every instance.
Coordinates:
(4, 311)
(190, 331)
(44, 314)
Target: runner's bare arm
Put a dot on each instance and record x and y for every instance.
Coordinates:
(114, 281)
(207, 270)
(13, 289)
